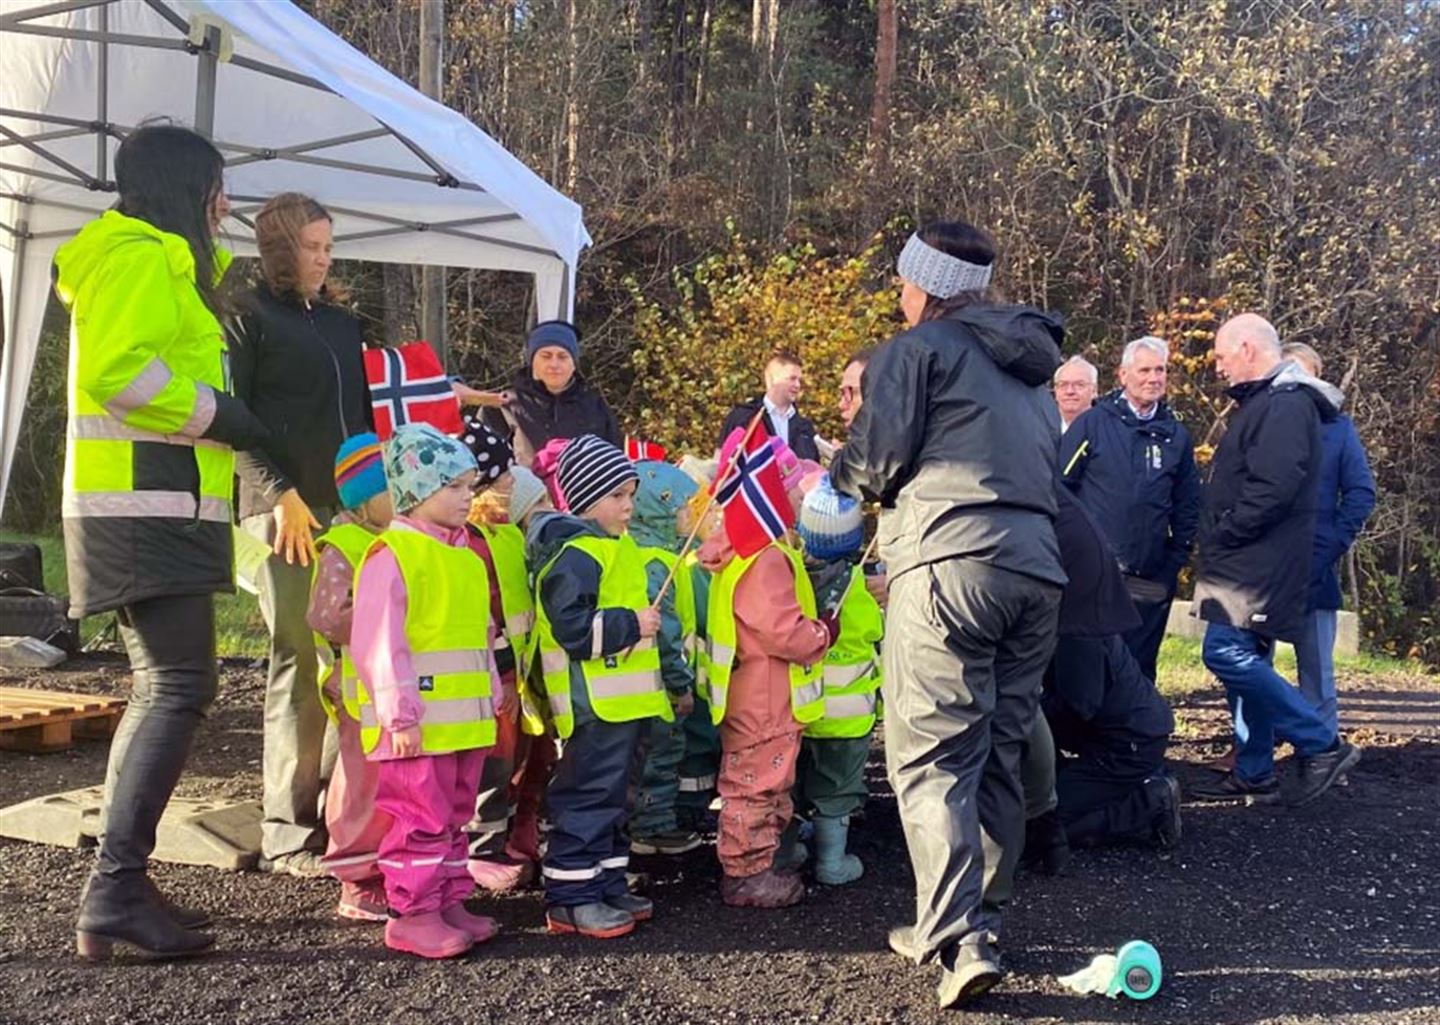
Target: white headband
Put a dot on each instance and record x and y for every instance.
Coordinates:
(939, 274)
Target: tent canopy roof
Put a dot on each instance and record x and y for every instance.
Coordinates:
(291, 106)
(295, 108)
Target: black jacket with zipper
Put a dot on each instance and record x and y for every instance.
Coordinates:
(1258, 527)
(298, 367)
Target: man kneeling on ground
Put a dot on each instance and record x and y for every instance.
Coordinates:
(1103, 711)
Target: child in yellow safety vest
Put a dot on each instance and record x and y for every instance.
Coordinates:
(659, 526)
(501, 546)
(595, 641)
(830, 778)
(354, 825)
(422, 643)
(766, 645)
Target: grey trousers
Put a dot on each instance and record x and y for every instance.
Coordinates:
(967, 645)
(299, 750)
(171, 643)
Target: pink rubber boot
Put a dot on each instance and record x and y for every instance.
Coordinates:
(478, 927)
(426, 935)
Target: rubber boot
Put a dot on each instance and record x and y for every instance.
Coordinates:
(123, 909)
(792, 854)
(499, 876)
(478, 927)
(598, 920)
(833, 866)
(426, 935)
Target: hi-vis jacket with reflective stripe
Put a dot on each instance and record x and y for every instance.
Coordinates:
(352, 541)
(682, 589)
(146, 501)
(619, 687)
(447, 620)
(507, 548)
(806, 692)
(851, 673)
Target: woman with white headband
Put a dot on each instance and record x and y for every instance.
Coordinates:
(956, 437)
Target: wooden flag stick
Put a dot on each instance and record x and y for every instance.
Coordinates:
(720, 474)
(864, 557)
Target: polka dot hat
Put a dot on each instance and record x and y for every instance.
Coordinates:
(492, 452)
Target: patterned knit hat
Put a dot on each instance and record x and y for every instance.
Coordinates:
(419, 461)
(492, 452)
(525, 493)
(830, 523)
(589, 469)
(359, 470)
(664, 490)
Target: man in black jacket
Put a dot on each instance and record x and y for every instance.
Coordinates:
(1255, 550)
(1132, 465)
(784, 381)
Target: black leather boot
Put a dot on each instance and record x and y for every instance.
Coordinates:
(186, 918)
(123, 909)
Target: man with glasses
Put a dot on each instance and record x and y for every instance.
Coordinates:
(1075, 384)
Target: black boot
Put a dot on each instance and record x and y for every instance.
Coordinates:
(1046, 849)
(186, 918)
(122, 909)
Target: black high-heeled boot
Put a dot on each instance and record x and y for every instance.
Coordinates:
(186, 918)
(122, 909)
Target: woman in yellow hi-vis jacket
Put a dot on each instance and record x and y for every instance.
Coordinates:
(148, 471)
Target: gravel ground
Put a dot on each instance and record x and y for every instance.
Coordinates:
(1326, 914)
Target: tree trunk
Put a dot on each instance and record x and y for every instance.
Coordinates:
(704, 59)
(572, 97)
(885, 53)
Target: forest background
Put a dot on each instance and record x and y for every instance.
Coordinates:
(749, 169)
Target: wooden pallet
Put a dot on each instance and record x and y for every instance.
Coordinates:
(52, 720)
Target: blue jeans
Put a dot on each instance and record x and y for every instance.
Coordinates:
(1264, 703)
(1315, 658)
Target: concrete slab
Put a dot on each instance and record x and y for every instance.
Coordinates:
(192, 831)
(1182, 624)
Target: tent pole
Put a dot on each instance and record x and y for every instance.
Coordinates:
(205, 82)
(12, 351)
(102, 99)
(432, 279)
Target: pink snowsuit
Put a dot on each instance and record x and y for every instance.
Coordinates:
(759, 737)
(355, 826)
(429, 798)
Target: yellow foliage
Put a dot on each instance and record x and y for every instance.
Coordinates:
(701, 356)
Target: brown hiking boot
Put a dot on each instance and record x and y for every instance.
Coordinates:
(768, 889)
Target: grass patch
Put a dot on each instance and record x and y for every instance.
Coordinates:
(239, 629)
(1182, 673)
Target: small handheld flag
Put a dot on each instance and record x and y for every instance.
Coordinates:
(752, 495)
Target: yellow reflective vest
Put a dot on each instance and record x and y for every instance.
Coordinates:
(507, 548)
(352, 541)
(619, 687)
(146, 504)
(806, 692)
(851, 672)
(447, 618)
(683, 588)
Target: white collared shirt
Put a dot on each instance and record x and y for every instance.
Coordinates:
(780, 420)
(1139, 415)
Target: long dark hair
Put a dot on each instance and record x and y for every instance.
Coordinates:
(170, 176)
(964, 242)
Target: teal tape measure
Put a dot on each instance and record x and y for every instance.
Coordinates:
(1137, 971)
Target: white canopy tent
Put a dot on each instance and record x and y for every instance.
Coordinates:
(293, 108)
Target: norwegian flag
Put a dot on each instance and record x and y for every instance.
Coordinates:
(756, 510)
(408, 385)
(638, 450)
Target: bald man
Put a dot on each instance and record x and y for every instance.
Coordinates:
(1253, 584)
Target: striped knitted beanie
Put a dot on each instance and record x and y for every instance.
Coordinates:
(589, 469)
(359, 470)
